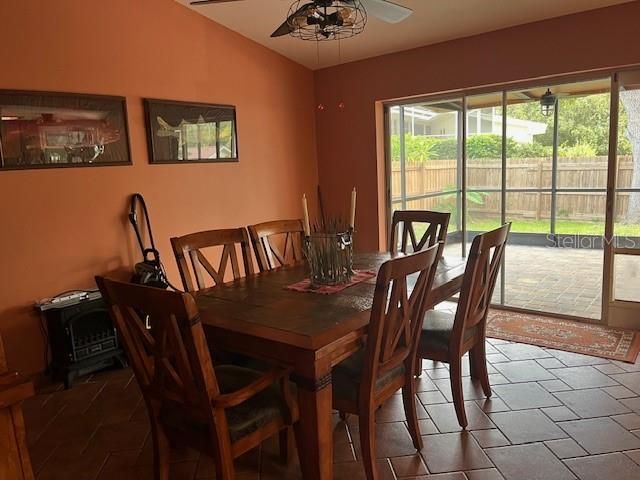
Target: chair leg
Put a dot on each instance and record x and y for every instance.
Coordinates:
(367, 424)
(285, 438)
(409, 401)
(478, 367)
(418, 371)
(224, 468)
(455, 375)
(161, 452)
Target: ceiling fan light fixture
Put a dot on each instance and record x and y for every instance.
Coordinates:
(324, 20)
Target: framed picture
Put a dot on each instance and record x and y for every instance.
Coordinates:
(183, 132)
(47, 130)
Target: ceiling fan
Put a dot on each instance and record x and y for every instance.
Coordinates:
(330, 17)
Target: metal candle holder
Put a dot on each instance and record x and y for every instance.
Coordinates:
(330, 257)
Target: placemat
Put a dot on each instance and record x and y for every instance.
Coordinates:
(359, 276)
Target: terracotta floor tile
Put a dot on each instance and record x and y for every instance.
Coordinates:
(487, 474)
(565, 448)
(531, 462)
(444, 416)
(427, 427)
(554, 386)
(634, 455)
(630, 421)
(490, 438)
(520, 351)
(428, 398)
(492, 404)
(584, 377)
(526, 426)
(98, 430)
(522, 396)
(629, 380)
(559, 414)
(550, 363)
(471, 389)
(600, 435)
(619, 392)
(524, 371)
(591, 403)
(452, 452)
(571, 359)
(613, 465)
(411, 466)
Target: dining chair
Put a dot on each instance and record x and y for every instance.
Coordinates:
(191, 246)
(435, 225)
(277, 243)
(446, 337)
(368, 378)
(222, 411)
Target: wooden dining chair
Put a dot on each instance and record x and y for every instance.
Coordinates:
(222, 411)
(277, 243)
(364, 381)
(191, 246)
(435, 225)
(446, 337)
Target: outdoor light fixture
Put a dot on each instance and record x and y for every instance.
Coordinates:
(548, 103)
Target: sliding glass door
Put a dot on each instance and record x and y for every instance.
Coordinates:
(500, 157)
(426, 161)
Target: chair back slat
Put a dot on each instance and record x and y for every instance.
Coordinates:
(171, 360)
(191, 246)
(277, 243)
(397, 313)
(481, 273)
(435, 230)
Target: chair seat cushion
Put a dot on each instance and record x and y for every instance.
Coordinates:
(347, 376)
(243, 419)
(437, 330)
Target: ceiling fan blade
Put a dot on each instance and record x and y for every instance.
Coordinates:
(288, 26)
(205, 2)
(387, 11)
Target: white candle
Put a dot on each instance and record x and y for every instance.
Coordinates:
(352, 223)
(305, 211)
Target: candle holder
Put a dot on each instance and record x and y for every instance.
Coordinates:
(330, 257)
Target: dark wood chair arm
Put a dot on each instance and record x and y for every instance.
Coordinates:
(234, 399)
(14, 388)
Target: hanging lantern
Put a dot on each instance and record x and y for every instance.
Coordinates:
(548, 103)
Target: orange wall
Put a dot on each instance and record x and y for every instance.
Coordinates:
(60, 227)
(348, 142)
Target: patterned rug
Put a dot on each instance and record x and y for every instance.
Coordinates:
(571, 336)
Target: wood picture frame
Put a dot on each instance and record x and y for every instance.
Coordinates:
(40, 130)
(187, 132)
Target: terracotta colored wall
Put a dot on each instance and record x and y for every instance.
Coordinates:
(61, 227)
(348, 142)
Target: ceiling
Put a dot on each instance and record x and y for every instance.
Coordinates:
(433, 21)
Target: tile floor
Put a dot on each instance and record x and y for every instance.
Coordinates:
(554, 415)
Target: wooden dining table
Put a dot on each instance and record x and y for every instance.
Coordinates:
(308, 332)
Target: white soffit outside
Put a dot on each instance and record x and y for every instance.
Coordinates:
(433, 21)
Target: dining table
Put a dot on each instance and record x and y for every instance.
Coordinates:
(260, 317)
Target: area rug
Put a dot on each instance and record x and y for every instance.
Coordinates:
(567, 335)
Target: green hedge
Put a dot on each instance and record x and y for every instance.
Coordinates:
(485, 146)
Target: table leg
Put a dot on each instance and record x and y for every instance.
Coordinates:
(314, 432)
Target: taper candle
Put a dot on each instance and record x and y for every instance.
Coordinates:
(305, 211)
(352, 223)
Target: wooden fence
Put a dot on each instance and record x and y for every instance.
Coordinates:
(530, 173)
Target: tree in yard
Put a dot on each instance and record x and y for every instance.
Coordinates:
(631, 101)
